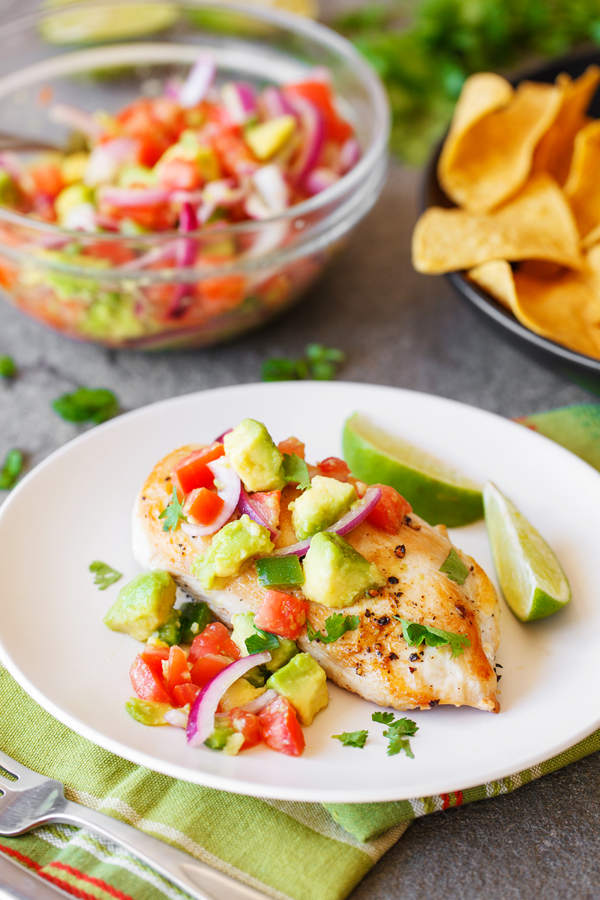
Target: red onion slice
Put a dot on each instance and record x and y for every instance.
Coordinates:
(274, 103)
(259, 703)
(239, 101)
(75, 118)
(106, 159)
(220, 439)
(198, 81)
(347, 523)
(313, 137)
(248, 507)
(185, 256)
(201, 721)
(229, 492)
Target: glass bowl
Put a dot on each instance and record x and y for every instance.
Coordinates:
(104, 287)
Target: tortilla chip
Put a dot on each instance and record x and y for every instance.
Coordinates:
(593, 237)
(536, 224)
(490, 159)
(565, 309)
(554, 152)
(541, 268)
(583, 184)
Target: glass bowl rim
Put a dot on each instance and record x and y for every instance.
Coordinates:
(287, 21)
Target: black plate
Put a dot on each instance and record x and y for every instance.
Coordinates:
(583, 369)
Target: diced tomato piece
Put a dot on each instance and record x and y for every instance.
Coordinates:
(233, 152)
(147, 680)
(193, 472)
(269, 504)
(292, 445)
(282, 614)
(280, 728)
(176, 669)
(150, 151)
(206, 667)
(333, 467)
(222, 294)
(113, 251)
(214, 641)
(184, 694)
(390, 511)
(204, 505)
(180, 175)
(47, 179)
(248, 725)
(320, 95)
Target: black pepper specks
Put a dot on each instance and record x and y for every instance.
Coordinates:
(411, 670)
(408, 521)
(400, 551)
(433, 703)
(383, 620)
(168, 478)
(392, 657)
(460, 610)
(414, 657)
(392, 579)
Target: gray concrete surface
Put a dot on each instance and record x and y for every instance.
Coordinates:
(402, 329)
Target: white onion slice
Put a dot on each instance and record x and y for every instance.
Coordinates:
(347, 523)
(198, 81)
(105, 160)
(319, 180)
(229, 494)
(349, 155)
(75, 118)
(248, 507)
(259, 703)
(239, 101)
(201, 722)
(134, 196)
(177, 717)
(272, 187)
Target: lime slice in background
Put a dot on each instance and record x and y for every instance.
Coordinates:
(435, 492)
(64, 23)
(532, 580)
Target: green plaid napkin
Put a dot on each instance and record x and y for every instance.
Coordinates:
(301, 851)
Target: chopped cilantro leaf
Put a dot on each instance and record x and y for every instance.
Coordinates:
(256, 643)
(296, 471)
(8, 368)
(352, 738)
(454, 567)
(172, 513)
(87, 405)
(383, 718)
(104, 575)
(336, 625)
(12, 468)
(319, 363)
(415, 634)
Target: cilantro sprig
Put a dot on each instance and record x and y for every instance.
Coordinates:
(352, 738)
(454, 567)
(397, 733)
(261, 641)
(416, 634)
(12, 468)
(8, 367)
(295, 471)
(104, 575)
(319, 363)
(94, 405)
(336, 625)
(173, 513)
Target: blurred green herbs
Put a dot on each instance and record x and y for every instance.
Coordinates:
(320, 363)
(424, 50)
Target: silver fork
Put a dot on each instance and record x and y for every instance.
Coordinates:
(33, 800)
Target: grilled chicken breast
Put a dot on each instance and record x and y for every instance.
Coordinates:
(374, 661)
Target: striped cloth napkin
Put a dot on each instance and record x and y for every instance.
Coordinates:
(290, 851)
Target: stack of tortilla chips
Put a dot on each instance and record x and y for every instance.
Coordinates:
(523, 167)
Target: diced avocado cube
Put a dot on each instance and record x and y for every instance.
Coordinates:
(231, 547)
(143, 605)
(218, 737)
(255, 457)
(70, 197)
(73, 166)
(279, 571)
(195, 616)
(318, 508)
(170, 632)
(8, 189)
(147, 711)
(267, 138)
(257, 676)
(136, 175)
(244, 627)
(238, 694)
(304, 683)
(336, 574)
(282, 655)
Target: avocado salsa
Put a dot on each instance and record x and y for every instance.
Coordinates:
(262, 687)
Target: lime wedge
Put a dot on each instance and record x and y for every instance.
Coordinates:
(64, 23)
(435, 492)
(532, 580)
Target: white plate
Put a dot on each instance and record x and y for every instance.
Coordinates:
(76, 507)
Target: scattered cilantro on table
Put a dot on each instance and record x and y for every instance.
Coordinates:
(352, 738)
(319, 363)
(295, 471)
(8, 367)
(416, 634)
(454, 567)
(261, 641)
(104, 575)
(173, 513)
(397, 733)
(12, 468)
(336, 625)
(94, 405)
